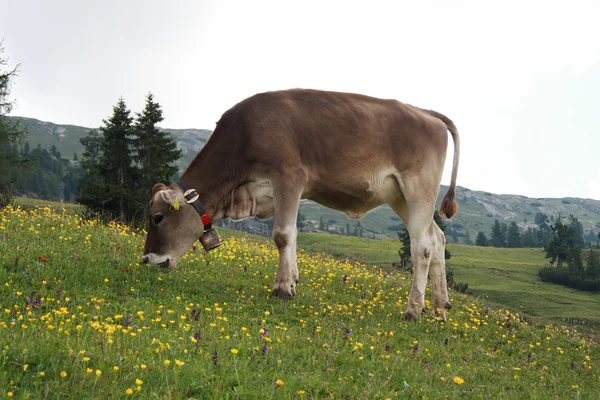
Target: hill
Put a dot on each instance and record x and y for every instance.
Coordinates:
(82, 316)
(66, 138)
(478, 209)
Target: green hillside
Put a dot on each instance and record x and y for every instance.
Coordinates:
(83, 319)
(505, 277)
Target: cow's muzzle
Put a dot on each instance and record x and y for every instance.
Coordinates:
(161, 261)
(210, 239)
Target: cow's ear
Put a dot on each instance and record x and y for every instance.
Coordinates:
(157, 187)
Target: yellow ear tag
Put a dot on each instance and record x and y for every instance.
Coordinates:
(176, 204)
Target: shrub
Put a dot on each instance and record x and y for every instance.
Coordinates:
(561, 276)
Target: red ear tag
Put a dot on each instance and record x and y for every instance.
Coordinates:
(205, 219)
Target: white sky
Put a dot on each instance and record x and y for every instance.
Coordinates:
(521, 79)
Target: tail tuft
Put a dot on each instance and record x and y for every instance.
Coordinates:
(449, 206)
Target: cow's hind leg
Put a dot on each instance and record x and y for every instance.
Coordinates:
(418, 218)
(286, 198)
(440, 301)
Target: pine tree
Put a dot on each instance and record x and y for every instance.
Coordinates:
(481, 239)
(575, 261)
(499, 231)
(529, 238)
(300, 221)
(91, 192)
(115, 164)
(155, 151)
(557, 250)
(10, 133)
(404, 251)
(593, 265)
(576, 230)
(513, 239)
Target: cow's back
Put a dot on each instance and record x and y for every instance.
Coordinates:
(352, 148)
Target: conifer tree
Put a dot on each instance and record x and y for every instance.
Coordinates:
(513, 238)
(10, 133)
(576, 230)
(593, 265)
(155, 151)
(557, 250)
(499, 231)
(481, 239)
(115, 163)
(91, 191)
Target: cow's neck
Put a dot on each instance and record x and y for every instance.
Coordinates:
(212, 183)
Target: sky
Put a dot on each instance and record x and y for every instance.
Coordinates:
(520, 79)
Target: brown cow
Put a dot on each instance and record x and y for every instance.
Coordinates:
(345, 151)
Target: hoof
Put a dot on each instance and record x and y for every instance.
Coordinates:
(411, 316)
(284, 294)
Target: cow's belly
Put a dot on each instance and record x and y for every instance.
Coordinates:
(357, 195)
(354, 196)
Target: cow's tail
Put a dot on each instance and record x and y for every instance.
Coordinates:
(449, 206)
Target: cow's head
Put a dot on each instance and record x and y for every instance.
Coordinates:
(173, 226)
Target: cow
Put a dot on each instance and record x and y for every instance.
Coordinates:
(346, 151)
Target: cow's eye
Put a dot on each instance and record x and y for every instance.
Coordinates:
(157, 218)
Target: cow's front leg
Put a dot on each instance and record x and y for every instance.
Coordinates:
(285, 233)
(286, 277)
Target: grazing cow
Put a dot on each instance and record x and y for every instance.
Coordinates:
(345, 151)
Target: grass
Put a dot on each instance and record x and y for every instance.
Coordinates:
(505, 277)
(509, 277)
(82, 319)
(27, 203)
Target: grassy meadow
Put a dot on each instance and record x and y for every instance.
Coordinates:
(504, 277)
(81, 318)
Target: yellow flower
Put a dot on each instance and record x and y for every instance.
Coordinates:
(167, 363)
(279, 383)
(63, 374)
(234, 351)
(25, 367)
(138, 382)
(98, 372)
(86, 359)
(143, 366)
(115, 368)
(458, 380)
(42, 373)
(574, 386)
(129, 392)
(89, 370)
(9, 394)
(179, 363)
